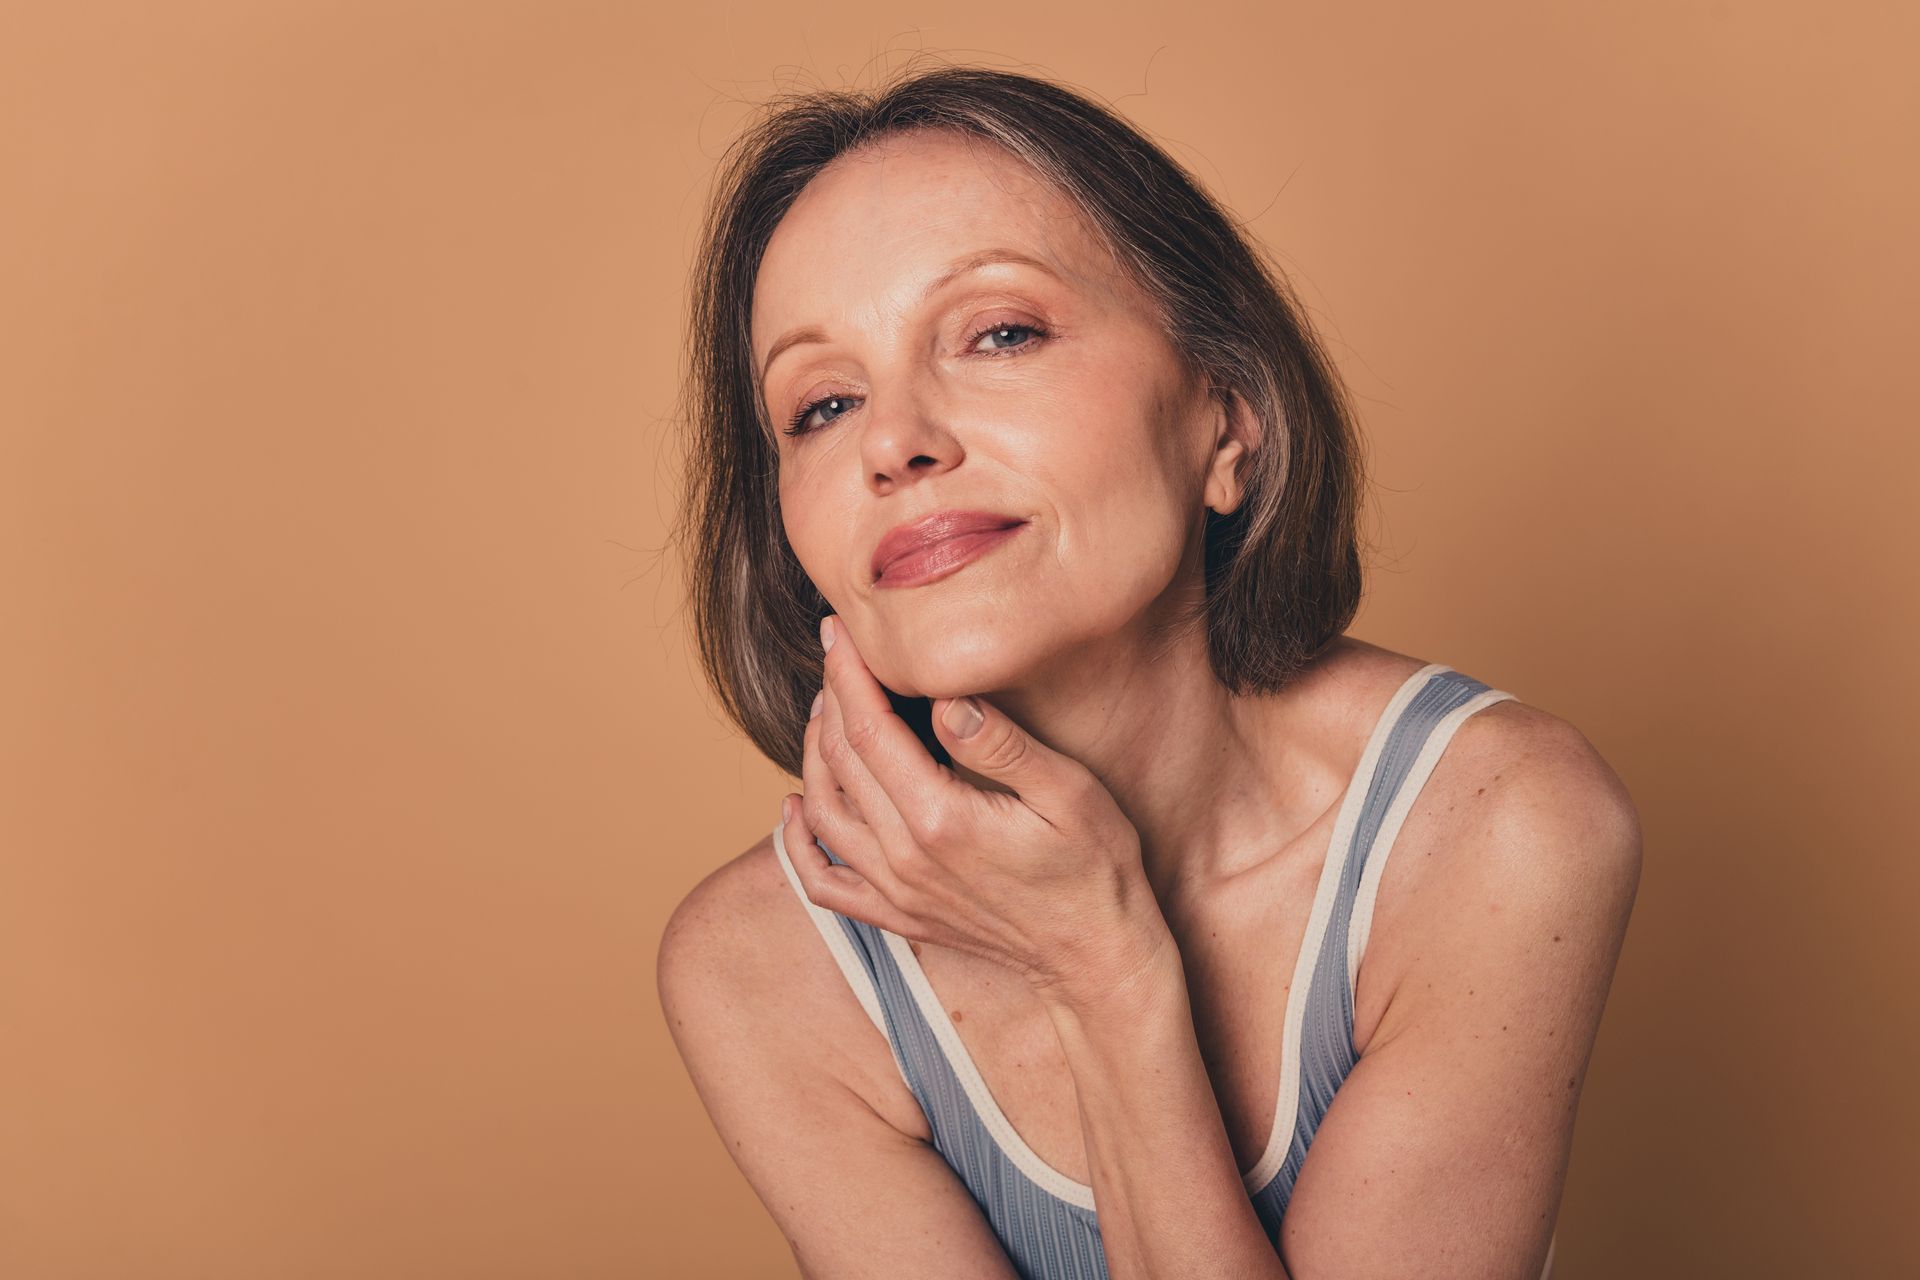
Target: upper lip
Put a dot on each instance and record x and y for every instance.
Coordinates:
(904, 539)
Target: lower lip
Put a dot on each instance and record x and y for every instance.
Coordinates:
(943, 557)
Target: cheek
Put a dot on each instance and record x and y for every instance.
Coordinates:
(1123, 510)
(814, 537)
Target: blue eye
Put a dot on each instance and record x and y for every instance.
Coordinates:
(1000, 330)
(797, 425)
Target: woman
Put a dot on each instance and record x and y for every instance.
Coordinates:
(1022, 522)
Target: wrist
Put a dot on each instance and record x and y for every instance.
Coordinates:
(1121, 984)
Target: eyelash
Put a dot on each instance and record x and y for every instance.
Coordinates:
(794, 427)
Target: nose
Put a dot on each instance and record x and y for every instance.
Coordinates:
(903, 440)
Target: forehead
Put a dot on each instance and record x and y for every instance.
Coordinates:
(876, 224)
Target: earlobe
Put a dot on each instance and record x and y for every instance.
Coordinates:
(1224, 488)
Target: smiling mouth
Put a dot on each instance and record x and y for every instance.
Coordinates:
(937, 559)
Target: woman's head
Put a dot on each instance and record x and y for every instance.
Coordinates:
(982, 292)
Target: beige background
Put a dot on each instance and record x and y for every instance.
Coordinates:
(351, 756)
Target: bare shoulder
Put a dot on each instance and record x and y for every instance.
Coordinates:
(741, 949)
(1523, 829)
(742, 933)
(783, 1058)
(1513, 764)
(734, 918)
(1546, 803)
(727, 938)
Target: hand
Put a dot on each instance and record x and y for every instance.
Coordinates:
(1046, 880)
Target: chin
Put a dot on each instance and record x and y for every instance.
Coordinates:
(952, 662)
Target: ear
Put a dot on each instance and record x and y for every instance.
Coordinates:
(1236, 435)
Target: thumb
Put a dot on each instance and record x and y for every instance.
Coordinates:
(987, 741)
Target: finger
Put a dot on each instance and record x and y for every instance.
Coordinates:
(827, 811)
(818, 873)
(828, 814)
(997, 748)
(833, 885)
(895, 765)
(875, 865)
(863, 796)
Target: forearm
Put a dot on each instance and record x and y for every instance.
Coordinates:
(1166, 1183)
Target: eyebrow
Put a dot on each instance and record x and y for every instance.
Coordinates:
(956, 269)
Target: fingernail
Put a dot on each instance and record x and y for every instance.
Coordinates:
(818, 698)
(826, 633)
(963, 717)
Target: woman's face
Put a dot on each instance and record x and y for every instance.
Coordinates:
(930, 373)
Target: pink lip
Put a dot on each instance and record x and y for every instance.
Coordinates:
(931, 548)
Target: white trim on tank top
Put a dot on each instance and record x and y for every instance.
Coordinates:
(828, 922)
(1286, 1105)
(1361, 925)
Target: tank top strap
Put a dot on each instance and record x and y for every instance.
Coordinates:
(1046, 1220)
(851, 949)
(1441, 704)
(932, 1060)
(1407, 740)
(865, 955)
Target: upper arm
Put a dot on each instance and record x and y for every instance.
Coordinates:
(743, 998)
(1445, 1150)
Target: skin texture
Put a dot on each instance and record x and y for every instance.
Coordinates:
(1118, 814)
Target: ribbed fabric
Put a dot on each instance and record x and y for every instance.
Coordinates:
(1045, 1220)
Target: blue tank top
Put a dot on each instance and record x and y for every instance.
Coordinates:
(1046, 1220)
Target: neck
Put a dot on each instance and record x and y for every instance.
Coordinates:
(1213, 783)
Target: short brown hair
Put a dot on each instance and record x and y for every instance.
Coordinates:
(1283, 570)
